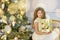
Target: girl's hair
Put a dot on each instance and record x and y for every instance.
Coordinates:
(39, 9)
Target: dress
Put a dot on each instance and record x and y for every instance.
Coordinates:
(52, 36)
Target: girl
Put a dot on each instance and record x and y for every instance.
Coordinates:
(39, 15)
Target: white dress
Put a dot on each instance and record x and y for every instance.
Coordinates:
(52, 36)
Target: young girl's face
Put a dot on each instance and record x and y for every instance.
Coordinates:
(40, 14)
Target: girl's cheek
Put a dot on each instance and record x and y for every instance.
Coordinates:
(40, 14)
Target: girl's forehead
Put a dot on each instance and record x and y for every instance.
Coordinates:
(39, 11)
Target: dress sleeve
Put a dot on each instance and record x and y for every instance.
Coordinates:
(36, 20)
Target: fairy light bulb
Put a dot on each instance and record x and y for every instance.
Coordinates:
(1, 20)
(15, 38)
(3, 6)
(15, 1)
(13, 23)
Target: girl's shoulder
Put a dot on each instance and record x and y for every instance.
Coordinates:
(37, 20)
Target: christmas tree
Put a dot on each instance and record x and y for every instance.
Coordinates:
(13, 20)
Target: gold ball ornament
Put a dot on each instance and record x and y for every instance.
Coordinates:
(4, 19)
(12, 8)
(19, 36)
(22, 6)
(12, 18)
(22, 13)
(8, 29)
(22, 28)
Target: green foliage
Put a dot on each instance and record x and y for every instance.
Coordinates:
(19, 22)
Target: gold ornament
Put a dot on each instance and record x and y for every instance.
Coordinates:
(7, 29)
(4, 19)
(8, 2)
(1, 12)
(22, 28)
(12, 18)
(16, 38)
(4, 37)
(15, 1)
(21, 16)
(3, 6)
(22, 13)
(4, 1)
(22, 6)
(12, 8)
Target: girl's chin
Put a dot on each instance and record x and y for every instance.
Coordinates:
(39, 17)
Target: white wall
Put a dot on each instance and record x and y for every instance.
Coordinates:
(51, 7)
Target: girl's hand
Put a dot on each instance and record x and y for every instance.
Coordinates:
(46, 33)
(49, 32)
